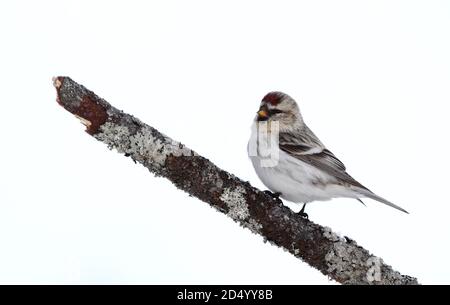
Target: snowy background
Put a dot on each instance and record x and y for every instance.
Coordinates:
(371, 77)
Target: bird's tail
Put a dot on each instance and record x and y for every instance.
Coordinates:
(369, 194)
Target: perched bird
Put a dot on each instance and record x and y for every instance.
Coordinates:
(293, 163)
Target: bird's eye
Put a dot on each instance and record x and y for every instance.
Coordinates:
(274, 111)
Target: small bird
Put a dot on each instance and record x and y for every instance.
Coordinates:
(293, 163)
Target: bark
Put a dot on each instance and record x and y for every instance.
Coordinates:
(341, 259)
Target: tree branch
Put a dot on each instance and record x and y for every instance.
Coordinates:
(340, 259)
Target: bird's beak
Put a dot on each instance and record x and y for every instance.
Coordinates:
(262, 115)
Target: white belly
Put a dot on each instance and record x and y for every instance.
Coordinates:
(297, 181)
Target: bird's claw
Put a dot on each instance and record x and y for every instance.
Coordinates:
(302, 212)
(303, 215)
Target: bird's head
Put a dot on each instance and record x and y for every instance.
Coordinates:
(280, 107)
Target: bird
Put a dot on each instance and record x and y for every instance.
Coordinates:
(293, 163)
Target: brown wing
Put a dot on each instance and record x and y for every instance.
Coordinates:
(306, 147)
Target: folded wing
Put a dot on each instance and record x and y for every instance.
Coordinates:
(305, 146)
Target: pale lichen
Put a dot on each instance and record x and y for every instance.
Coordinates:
(336, 258)
(374, 273)
(352, 264)
(115, 136)
(253, 225)
(344, 259)
(329, 234)
(236, 203)
(143, 146)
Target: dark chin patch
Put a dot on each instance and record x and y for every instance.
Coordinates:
(262, 119)
(273, 98)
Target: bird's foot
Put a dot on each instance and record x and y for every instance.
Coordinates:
(275, 196)
(302, 212)
(303, 215)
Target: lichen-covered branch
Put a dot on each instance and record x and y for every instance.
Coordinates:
(339, 258)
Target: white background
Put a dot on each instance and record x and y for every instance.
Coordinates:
(371, 78)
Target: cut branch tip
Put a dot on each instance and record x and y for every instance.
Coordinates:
(57, 81)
